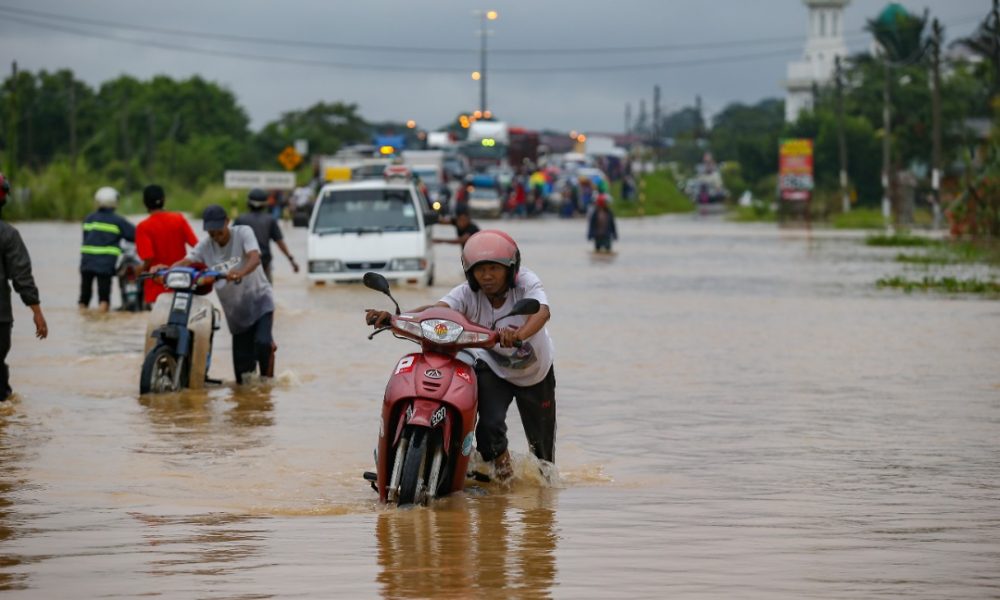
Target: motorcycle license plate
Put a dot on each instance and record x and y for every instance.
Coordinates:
(181, 302)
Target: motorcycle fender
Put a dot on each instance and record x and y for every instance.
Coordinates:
(158, 317)
(200, 325)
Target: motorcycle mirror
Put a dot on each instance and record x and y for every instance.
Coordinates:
(379, 283)
(376, 282)
(524, 306)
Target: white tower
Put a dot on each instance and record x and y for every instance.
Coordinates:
(824, 42)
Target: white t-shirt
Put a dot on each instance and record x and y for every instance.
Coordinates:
(522, 366)
(248, 300)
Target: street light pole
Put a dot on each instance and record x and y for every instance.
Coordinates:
(484, 16)
(482, 63)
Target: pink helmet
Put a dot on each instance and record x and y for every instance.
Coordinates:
(490, 245)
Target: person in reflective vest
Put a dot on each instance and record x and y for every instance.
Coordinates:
(103, 231)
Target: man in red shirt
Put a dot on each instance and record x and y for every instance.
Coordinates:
(161, 239)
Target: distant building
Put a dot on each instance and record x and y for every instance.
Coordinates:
(824, 42)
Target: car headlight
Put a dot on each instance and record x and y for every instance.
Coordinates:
(407, 264)
(325, 266)
(178, 280)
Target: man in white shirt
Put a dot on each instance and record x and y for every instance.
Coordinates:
(520, 367)
(245, 294)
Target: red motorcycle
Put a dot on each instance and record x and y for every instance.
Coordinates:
(429, 410)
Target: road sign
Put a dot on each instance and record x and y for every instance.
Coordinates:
(289, 158)
(268, 180)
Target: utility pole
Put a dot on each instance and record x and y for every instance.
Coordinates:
(150, 142)
(72, 124)
(937, 35)
(656, 124)
(841, 140)
(126, 147)
(12, 125)
(628, 119)
(887, 212)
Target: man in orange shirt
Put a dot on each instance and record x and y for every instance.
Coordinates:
(161, 239)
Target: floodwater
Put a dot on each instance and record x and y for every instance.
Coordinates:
(742, 414)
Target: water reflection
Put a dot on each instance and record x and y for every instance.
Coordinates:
(198, 421)
(206, 545)
(501, 544)
(11, 479)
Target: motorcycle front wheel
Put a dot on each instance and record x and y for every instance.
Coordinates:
(412, 480)
(159, 371)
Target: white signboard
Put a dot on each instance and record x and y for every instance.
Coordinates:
(302, 147)
(268, 180)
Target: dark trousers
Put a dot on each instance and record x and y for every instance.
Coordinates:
(87, 287)
(602, 242)
(5, 390)
(254, 348)
(265, 263)
(536, 404)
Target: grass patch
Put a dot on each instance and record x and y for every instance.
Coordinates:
(859, 218)
(948, 253)
(951, 285)
(753, 214)
(661, 197)
(901, 239)
(926, 259)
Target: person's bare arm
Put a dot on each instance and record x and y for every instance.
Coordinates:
(284, 248)
(380, 318)
(533, 325)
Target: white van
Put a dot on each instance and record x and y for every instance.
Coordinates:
(363, 226)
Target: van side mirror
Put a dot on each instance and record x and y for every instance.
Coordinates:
(430, 217)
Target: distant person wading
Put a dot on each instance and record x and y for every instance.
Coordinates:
(265, 229)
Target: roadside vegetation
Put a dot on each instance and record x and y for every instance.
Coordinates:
(949, 285)
(660, 195)
(61, 139)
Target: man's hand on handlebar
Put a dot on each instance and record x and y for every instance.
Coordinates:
(509, 338)
(377, 318)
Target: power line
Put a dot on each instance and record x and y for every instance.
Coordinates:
(428, 50)
(396, 68)
(722, 59)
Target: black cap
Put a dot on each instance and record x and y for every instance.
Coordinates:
(153, 196)
(214, 217)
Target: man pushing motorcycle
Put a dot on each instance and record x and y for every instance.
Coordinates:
(245, 293)
(520, 367)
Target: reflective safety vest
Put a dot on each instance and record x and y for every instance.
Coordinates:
(103, 232)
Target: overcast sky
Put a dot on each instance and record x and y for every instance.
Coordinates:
(412, 59)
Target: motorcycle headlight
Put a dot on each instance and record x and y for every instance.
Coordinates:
(178, 280)
(440, 330)
(407, 264)
(325, 266)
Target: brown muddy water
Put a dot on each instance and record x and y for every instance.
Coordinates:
(741, 415)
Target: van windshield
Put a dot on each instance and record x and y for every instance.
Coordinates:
(366, 211)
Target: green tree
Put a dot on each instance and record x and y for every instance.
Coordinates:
(327, 126)
(749, 135)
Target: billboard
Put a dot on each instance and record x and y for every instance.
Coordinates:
(795, 169)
